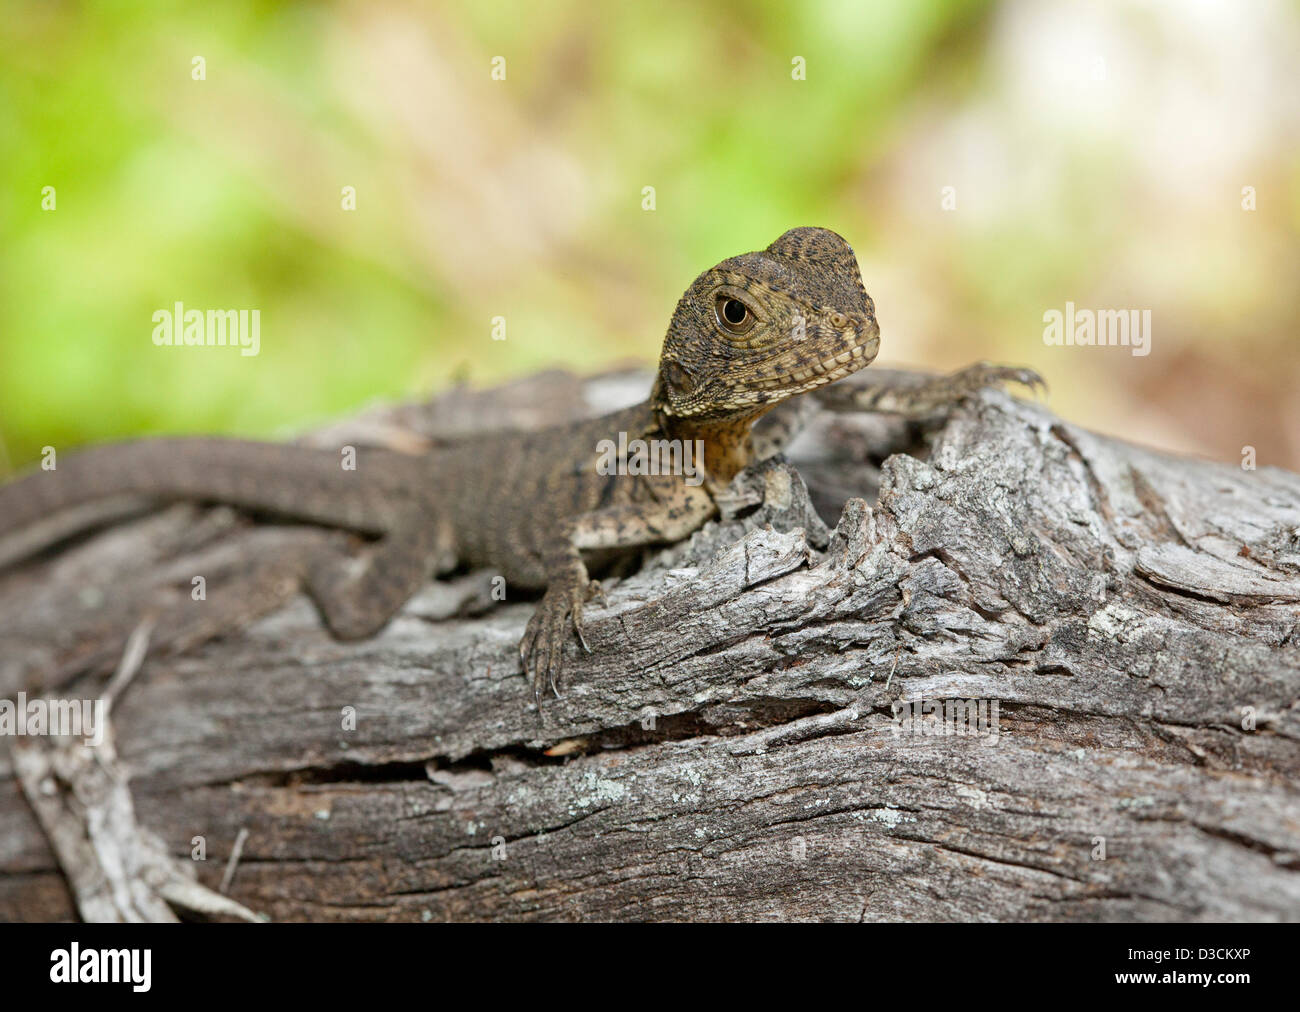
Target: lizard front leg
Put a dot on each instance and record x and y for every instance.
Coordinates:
(670, 517)
(922, 399)
(918, 398)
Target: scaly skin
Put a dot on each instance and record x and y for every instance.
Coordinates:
(803, 320)
(746, 336)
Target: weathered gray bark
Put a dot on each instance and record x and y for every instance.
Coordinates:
(728, 750)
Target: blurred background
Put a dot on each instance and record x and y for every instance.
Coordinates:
(989, 161)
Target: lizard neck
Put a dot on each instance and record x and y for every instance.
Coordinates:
(728, 449)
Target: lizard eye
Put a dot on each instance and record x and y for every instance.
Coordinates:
(733, 315)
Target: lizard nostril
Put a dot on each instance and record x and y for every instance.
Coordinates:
(839, 321)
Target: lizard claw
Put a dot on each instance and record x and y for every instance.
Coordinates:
(542, 646)
(1027, 377)
(592, 591)
(984, 374)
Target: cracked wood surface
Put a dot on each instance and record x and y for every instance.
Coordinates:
(729, 749)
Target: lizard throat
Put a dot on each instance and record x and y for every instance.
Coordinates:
(728, 449)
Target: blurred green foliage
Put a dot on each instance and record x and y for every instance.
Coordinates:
(522, 198)
(95, 100)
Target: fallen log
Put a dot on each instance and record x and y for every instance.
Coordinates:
(1020, 672)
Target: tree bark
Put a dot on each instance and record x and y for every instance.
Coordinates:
(1125, 623)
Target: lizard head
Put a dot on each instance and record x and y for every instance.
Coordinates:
(762, 327)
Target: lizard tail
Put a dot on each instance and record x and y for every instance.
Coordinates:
(328, 487)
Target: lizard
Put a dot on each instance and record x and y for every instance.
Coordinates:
(746, 337)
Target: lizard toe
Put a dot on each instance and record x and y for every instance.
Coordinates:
(530, 653)
(987, 374)
(554, 645)
(582, 640)
(1031, 379)
(575, 606)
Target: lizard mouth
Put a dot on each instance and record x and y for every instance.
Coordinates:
(856, 352)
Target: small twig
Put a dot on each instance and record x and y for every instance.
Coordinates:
(799, 730)
(234, 860)
(894, 668)
(133, 655)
